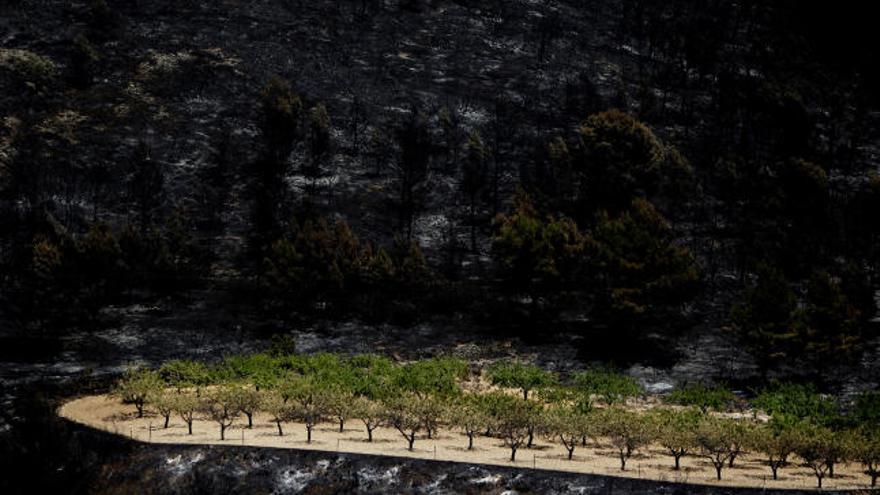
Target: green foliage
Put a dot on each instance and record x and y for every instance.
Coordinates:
(435, 376)
(25, 73)
(705, 397)
(569, 425)
(512, 420)
(627, 431)
(818, 447)
(136, 386)
(716, 440)
(221, 406)
(776, 443)
(621, 159)
(610, 386)
(675, 431)
(642, 268)
(185, 373)
(536, 252)
(469, 414)
(789, 403)
(522, 376)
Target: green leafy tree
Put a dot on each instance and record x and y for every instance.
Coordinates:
(816, 445)
(714, 440)
(627, 431)
(247, 399)
(186, 406)
(675, 431)
(163, 402)
(136, 386)
(569, 425)
(371, 413)
(522, 376)
(611, 387)
(469, 415)
(220, 406)
(621, 159)
(512, 420)
(185, 373)
(279, 409)
(776, 443)
(537, 254)
(704, 397)
(865, 448)
(310, 399)
(404, 415)
(643, 273)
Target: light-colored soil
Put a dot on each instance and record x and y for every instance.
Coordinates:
(107, 413)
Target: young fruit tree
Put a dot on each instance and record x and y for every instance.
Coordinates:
(404, 415)
(278, 409)
(525, 377)
(136, 386)
(220, 406)
(186, 405)
(469, 415)
(627, 431)
(371, 414)
(163, 402)
(713, 437)
(865, 447)
(815, 445)
(777, 442)
(247, 400)
(511, 421)
(569, 425)
(309, 398)
(341, 404)
(675, 431)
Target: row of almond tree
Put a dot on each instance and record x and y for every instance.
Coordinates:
(524, 403)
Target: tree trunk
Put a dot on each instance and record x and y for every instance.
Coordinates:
(774, 468)
(622, 462)
(140, 409)
(308, 434)
(341, 425)
(167, 418)
(531, 437)
(513, 454)
(718, 468)
(570, 452)
(525, 394)
(369, 434)
(677, 462)
(189, 425)
(250, 417)
(830, 469)
(470, 441)
(874, 477)
(280, 432)
(411, 439)
(222, 431)
(819, 479)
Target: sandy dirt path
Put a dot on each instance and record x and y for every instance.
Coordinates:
(109, 414)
